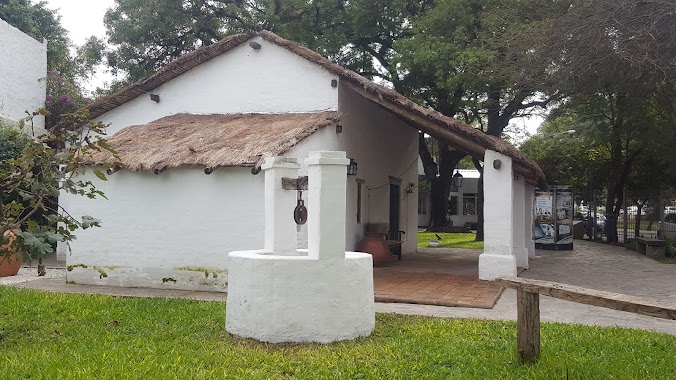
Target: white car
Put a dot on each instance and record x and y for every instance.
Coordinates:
(667, 229)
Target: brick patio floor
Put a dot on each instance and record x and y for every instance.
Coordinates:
(438, 276)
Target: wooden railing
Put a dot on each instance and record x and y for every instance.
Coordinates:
(528, 307)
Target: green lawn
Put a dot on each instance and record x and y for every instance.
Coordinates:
(58, 336)
(450, 240)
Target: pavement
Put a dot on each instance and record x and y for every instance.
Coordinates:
(433, 276)
(592, 265)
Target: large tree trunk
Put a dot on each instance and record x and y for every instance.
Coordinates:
(440, 186)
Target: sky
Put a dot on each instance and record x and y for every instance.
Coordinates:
(84, 18)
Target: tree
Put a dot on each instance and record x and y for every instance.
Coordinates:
(465, 60)
(614, 61)
(622, 146)
(31, 176)
(355, 34)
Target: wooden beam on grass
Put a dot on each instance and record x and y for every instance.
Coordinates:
(528, 325)
(616, 301)
(528, 307)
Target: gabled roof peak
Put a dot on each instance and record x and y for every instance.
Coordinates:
(456, 133)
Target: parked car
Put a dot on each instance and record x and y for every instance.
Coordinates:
(600, 222)
(667, 228)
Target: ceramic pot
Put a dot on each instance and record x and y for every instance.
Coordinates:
(374, 243)
(10, 265)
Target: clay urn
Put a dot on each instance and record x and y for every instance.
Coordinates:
(9, 263)
(374, 243)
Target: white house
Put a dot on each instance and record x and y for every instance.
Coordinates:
(23, 68)
(192, 138)
(462, 201)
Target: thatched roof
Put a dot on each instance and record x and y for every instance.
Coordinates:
(444, 128)
(211, 140)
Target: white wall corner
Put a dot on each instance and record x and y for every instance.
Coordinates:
(529, 194)
(498, 258)
(519, 219)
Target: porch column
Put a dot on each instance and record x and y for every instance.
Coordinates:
(530, 243)
(519, 217)
(498, 258)
(327, 185)
(280, 228)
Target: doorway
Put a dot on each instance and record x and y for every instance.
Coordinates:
(395, 208)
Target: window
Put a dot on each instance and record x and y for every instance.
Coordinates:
(469, 204)
(453, 206)
(422, 203)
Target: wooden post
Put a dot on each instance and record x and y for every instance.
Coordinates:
(528, 325)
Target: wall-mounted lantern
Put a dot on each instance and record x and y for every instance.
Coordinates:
(457, 179)
(352, 167)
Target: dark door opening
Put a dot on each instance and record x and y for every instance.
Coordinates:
(395, 210)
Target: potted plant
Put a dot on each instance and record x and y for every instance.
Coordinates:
(10, 261)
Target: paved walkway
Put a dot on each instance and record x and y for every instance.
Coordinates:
(591, 265)
(446, 277)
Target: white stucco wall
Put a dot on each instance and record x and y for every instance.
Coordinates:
(23, 68)
(383, 146)
(243, 80)
(498, 257)
(154, 225)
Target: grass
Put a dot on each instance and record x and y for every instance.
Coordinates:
(450, 240)
(53, 336)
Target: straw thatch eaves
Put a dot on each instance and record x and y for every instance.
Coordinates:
(211, 140)
(444, 128)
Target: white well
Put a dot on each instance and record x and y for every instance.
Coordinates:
(323, 294)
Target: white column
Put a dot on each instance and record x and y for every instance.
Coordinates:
(530, 243)
(327, 183)
(280, 228)
(519, 219)
(497, 259)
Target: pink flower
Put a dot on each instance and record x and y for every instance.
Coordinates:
(48, 98)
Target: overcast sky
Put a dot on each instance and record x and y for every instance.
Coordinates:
(84, 18)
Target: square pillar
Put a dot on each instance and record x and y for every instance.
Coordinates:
(498, 257)
(280, 228)
(519, 219)
(327, 184)
(529, 195)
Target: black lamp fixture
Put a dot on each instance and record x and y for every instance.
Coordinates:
(352, 167)
(457, 178)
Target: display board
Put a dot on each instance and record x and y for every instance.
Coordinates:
(553, 221)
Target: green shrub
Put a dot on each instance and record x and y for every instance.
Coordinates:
(12, 141)
(671, 248)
